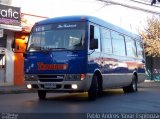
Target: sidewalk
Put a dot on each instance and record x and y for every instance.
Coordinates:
(23, 89)
(149, 84)
(13, 89)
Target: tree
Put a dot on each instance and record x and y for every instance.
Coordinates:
(151, 37)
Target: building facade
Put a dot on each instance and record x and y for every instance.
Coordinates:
(10, 18)
(21, 37)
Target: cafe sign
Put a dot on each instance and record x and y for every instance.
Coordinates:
(9, 15)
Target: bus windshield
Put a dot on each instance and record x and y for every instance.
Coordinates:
(59, 36)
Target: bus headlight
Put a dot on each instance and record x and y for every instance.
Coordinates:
(72, 77)
(83, 76)
(75, 77)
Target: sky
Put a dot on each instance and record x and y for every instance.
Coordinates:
(129, 19)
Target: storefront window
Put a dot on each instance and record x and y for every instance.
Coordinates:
(3, 41)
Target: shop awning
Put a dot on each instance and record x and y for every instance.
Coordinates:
(10, 27)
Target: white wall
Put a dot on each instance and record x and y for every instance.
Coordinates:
(9, 58)
(16, 3)
(6, 2)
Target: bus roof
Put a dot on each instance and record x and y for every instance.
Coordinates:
(90, 19)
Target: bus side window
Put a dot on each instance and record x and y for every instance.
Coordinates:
(118, 44)
(106, 40)
(130, 47)
(94, 34)
(139, 49)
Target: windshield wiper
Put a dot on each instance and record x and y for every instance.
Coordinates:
(49, 49)
(60, 48)
(52, 49)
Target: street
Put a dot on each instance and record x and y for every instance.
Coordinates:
(147, 100)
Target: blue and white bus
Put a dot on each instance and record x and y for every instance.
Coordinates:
(82, 54)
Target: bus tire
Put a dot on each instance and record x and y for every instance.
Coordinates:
(93, 90)
(132, 87)
(42, 94)
(100, 87)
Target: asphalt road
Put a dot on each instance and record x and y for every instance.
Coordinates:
(146, 100)
(113, 104)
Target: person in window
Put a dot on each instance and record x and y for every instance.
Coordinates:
(76, 43)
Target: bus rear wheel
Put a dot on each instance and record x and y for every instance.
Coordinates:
(42, 94)
(93, 90)
(132, 87)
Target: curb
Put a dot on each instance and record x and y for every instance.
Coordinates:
(16, 92)
(149, 84)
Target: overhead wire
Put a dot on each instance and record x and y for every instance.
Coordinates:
(145, 3)
(130, 6)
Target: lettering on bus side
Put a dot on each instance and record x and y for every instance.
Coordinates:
(42, 66)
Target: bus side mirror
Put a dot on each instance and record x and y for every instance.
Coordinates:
(94, 44)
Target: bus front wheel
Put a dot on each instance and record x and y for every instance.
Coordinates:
(41, 94)
(93, 90)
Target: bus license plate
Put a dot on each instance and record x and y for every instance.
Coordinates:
(49, 85)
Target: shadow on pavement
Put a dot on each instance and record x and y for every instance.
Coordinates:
(83, 97)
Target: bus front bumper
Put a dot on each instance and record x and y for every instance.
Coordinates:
(65, 86)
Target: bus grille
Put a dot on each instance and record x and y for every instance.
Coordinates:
(50, 78)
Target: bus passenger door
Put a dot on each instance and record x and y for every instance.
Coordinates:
(94, 52)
